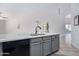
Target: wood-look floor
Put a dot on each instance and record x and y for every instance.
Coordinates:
(66, 49)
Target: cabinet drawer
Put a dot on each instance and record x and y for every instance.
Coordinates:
(35, 43)
(57, 36)
(35, 40)
(47, 38)
(46, 41)
(54, 36)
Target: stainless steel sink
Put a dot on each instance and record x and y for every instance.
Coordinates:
(36, 34)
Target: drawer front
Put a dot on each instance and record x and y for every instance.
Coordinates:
(47, 38)
(54, 36)
(57, 36)
(44, 41)
(36, 40)
(35, 43)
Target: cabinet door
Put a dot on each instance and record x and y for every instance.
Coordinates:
(46, 47)
(55, 44)
(1, 49)
(36, 49)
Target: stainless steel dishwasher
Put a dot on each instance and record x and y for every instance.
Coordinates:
(16, 48)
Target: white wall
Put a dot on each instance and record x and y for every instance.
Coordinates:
(2, 27)
(75, 29)
(3, 10)
(27, 14)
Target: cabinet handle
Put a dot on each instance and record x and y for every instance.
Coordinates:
(46, 41)
(6, 53)
(35, 43)
(53, 39)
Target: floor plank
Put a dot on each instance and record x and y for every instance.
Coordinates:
(66, 49)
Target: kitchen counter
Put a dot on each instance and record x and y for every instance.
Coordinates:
(14, 37)
(27, 45)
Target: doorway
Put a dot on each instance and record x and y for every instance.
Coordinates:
(68, 33)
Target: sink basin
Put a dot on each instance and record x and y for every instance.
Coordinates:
(36, 34)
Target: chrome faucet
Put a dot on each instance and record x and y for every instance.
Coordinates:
(36, 31)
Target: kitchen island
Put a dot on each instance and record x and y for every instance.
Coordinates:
(27, 45)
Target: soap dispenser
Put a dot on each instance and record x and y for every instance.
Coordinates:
(45, 27)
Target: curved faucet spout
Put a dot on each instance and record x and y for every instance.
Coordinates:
(36, 31)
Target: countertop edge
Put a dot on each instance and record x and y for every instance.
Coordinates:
(7, 39)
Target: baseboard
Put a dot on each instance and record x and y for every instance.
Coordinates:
(75, 45)
(52, 53)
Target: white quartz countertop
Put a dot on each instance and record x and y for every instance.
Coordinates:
(14, 37)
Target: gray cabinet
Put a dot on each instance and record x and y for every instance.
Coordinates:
(54, 46)
(46, 47)
(55, 43)
(36, 47)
